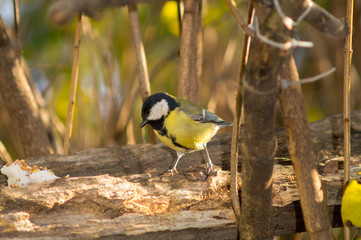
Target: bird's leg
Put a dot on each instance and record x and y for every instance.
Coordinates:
(209, 161)
(174, 168)
(357, 234)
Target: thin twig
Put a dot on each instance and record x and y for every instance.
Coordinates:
(259, 92)
(287, 21)
(306, 12)
(284, 46)
(346, 105)
(16, 5)
(143, 78)
(285, 84)
(244, 26)
(4, 155)
(357, 234)
(236, 122)
(74, 80)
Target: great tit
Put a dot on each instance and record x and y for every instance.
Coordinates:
(180, 124)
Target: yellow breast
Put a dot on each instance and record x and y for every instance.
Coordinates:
(184, 134)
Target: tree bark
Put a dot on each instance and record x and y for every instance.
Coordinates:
(258, 149)
(300, 147)
(126, 192)
(190, 60)
(311, 191)
(20, 102)
(259, 145)
(143, 77)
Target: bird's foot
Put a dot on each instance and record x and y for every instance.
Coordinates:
(209, 168)
(172, 171)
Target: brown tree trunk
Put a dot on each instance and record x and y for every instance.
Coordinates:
(259, 145)
(258, 150)
(260, 91)
(20, 102)
(190, 62)
(302, 154)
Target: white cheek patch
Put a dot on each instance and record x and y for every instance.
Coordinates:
(159, 110)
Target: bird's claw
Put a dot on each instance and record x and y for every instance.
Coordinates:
(172, 171)
(209, 168)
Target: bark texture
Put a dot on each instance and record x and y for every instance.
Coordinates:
(259, 145)
(190, 61)
(312, 195)
(20, 102)
(300, 147)
(126, 192)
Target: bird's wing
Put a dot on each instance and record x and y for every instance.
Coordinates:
(199, 114)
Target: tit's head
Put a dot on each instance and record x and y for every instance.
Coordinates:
(156, 108)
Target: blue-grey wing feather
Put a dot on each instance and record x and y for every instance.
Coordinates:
(207, 116)
(201, 115)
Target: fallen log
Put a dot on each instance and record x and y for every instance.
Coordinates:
(127, 192)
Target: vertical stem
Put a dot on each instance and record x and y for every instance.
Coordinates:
(236, 122)
(4, 155)
(312, 197)
(259, 141)
(143, 78)
(16, 5)
(346, 105)
(74, 80)
(190, 61)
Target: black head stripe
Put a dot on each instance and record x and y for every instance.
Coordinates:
(153, 99)
(171, 101)
(150, 102)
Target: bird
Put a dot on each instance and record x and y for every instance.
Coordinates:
(181, 124)
(351, 204)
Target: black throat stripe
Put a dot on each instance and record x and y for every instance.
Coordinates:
(163, 131)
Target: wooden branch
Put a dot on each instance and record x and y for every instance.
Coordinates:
(300, 148)
(312, 197)
(326, 23)
(73, 86)
(144, 86)
(319, 18)
(121, 192)
(62, 11)
(4, 154)
(259, 145)
(347, 105)
(237, 120)
(143, 78)
(18, 48)
(20, 101)
(54, 127)
(237, 16)
(190, 59)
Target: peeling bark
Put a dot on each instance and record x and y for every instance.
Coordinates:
(126, 192)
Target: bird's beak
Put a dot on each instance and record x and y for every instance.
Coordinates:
(143, 123)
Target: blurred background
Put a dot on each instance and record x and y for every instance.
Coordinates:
(108, 105)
